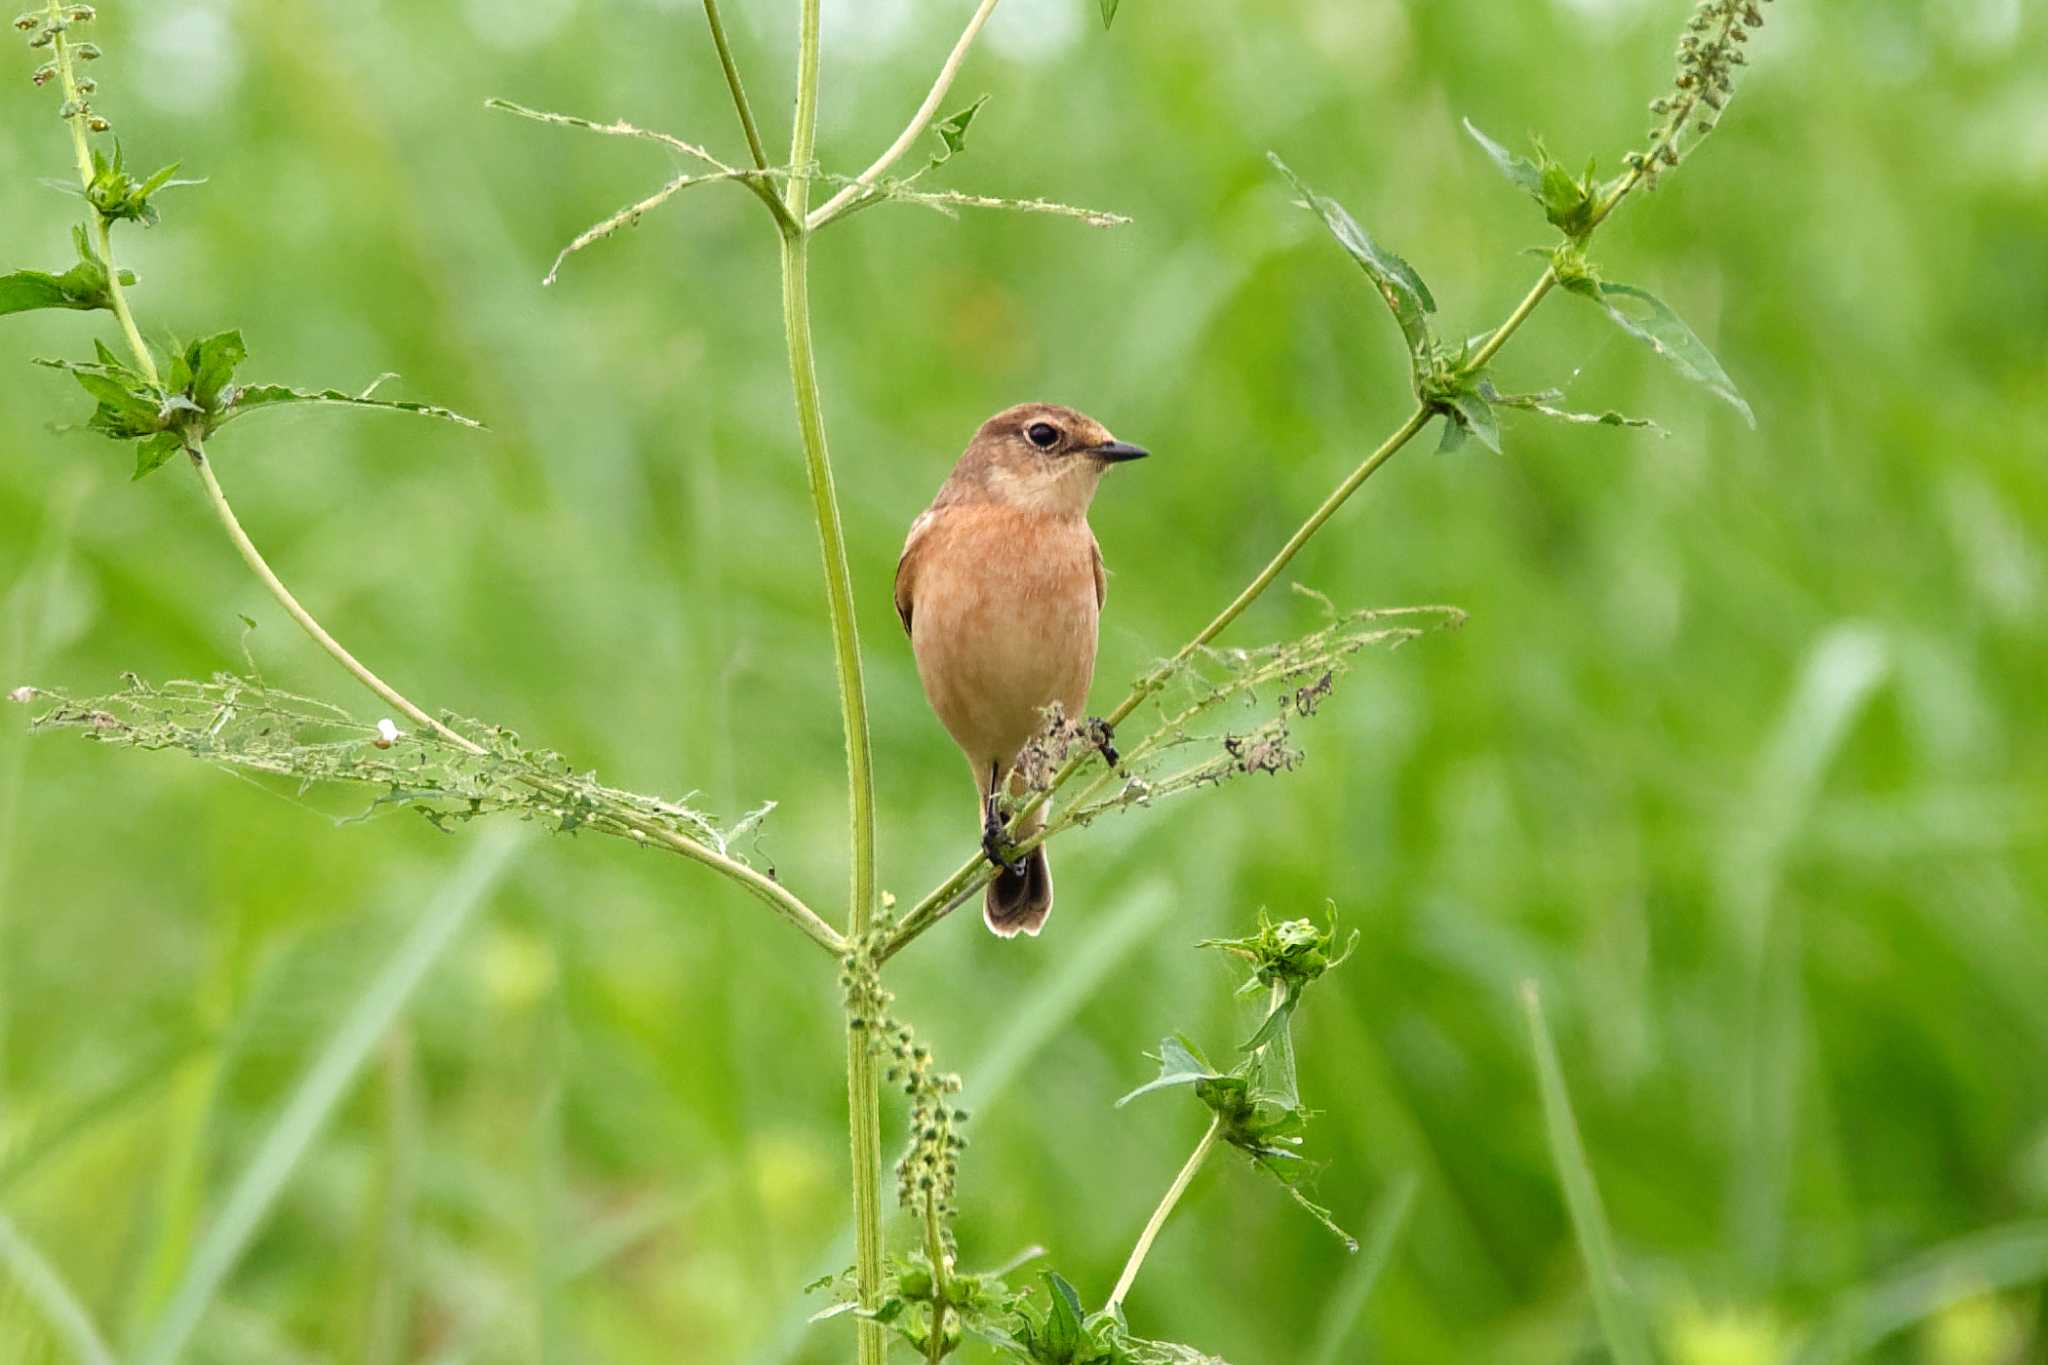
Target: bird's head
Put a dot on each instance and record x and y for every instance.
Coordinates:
(1042, 456)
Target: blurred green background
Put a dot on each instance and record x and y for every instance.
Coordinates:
(1741, 756)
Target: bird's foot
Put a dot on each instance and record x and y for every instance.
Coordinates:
(1102, 735)
(995, 840)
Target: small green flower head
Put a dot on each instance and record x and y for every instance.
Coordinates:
(1295, 951)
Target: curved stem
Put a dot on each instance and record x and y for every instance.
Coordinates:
(865, 181)
(863, 1068)
(732, 81)
(1174, 1192)
(772, 893)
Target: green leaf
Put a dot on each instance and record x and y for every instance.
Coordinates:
(1664, 332)
(952, 131)
(1109, 11)
(151, 454)
(1474, 415)
(1064, 1331)
(118, 197)
(1523, 173)
(83, 287)
(1179, 1064)
(256, 396)
(1398, 284)
(212, 364)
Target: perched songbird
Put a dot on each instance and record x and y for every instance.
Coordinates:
(1000, 588)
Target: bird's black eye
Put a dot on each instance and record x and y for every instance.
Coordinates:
(1044, 435)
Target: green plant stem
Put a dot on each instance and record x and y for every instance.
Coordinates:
(772, 893)
(732, 82)
(843, 202)
(1174, 1192)
(863, 1068)
(935, 1252)
(67, 75)
(973, 873)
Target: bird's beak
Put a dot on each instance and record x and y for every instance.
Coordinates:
(1115, 452)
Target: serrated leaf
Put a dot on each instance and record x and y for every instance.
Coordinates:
(1664, 332)
(1524, 174)
(257, 396)
(1179, 1064)
(1402, 289)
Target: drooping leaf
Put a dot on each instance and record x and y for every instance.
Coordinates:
(1473, 415)
(1109, 8)
(1179, 1064)
(1663, 331)
(253, 397)
(1403, 290)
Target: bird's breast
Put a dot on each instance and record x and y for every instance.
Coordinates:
(1005, 624)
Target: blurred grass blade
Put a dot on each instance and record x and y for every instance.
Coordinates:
(46, 1289)
(1340, 1319)
(2003, 1258)
(1619, 1321)
(317, 1094)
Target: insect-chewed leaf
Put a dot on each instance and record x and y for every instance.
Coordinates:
(1545, 402)
(256, 396)
(952, 133)
(1405, 293)
(1666, 333)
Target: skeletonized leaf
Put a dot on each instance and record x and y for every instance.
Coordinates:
(1666, 333)
(256, 396)
(1405, 293)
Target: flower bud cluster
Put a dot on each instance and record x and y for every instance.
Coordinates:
(1709, 53)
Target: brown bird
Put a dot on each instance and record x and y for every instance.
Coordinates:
(1000, 588)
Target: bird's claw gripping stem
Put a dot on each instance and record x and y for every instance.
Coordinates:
(995, 839)
(1102, 735)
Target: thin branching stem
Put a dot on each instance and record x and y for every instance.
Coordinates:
(973, 873)
(734, 84)
(926, 112)
(863, 1068)
(770, 892)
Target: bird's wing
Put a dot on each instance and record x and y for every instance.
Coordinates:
(906, 567)
(1101, 574)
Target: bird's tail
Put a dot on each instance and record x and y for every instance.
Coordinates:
(1018, 902)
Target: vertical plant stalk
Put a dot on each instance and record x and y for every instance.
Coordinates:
(863, 1068)
(935, 1252)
